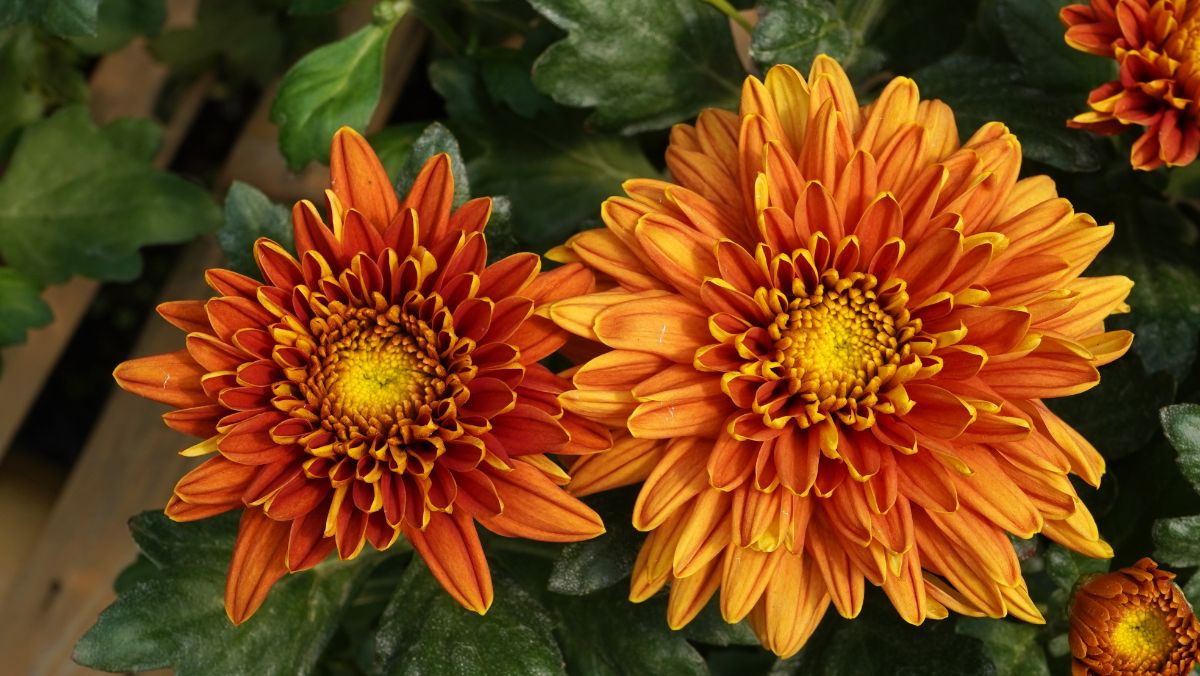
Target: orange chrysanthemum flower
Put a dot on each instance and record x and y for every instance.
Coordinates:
(831, 338)
(386, 381)
(1134, 622)
(1157, 46)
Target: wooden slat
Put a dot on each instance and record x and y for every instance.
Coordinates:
(128, 465)
(126, 83)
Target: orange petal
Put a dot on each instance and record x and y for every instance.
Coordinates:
(218, 481)
(744, 579)
(670, 326)
(679, 477)
(629, 461)
(450, 547)
(172, 379)
(537, 509)
(792, 606)
(690, 594)
(359, 180)
(258, 562)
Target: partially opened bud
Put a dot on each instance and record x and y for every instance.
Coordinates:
(1133, 621)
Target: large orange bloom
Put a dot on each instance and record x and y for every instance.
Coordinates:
(830, 341)
(1157, 46)
(385, 382)
(1135, 621)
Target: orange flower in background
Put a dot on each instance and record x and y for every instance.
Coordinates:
(829, 342)
(384, 381)
(1157, 47)
(1135, 621)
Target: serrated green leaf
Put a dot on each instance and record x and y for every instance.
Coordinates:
(425, 631)
(1177, 541)
(1013, 647)
(982, 91)
(592, 565)
(249, 214)
(21, 306)
(335, 85)
(75, 201)
(1181, 423)
(174, 615)
(1035, 35)
(506, 74)
(603, 634)
(796, 32)
(555, 172)
(434, 140)
(640, 65)
(119, 21)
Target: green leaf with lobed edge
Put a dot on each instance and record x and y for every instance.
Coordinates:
(1181, 423)
(981, 91)
(797, 32)
(640, 65)
(21, 306)
(170, 609)
(555, 172)
(81, 200)
(335, 85)
(249, 214)
(1013, 648)
(425, 631)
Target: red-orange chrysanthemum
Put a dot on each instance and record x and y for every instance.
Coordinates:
(1134, 622)
(830, 340)
(384, 381)
(1156, 44)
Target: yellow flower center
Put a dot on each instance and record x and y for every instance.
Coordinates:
(375, 380)
(1143, 636)
(373, 372)
(837, 345)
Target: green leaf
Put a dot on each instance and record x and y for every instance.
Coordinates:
(1013, 647)
(249, 214)
(1165, 299)
(434, 140)
(65, 18)
(173, 615)
(640, 65)
(1182, 426)
(237, 38)
(393, 144)
(1119, 415)
(21, 306)
(1177, 541)
(555, 172)
(712, 629)
(425, 631)
(604, 634)
(981, 91)
(77, 200)
(1066, 567)
(335, 85)
(506, 73)
(314, 6)
(22, 104)
(796, 32)
(120, 21)
(592, 565)
(1035, 35)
